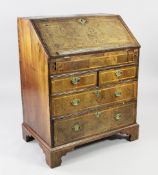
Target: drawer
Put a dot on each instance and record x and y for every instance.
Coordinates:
(59, 85)
(84, 62)
(63, 105)
(115, 75)
(71, 129)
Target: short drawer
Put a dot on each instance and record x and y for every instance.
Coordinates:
(91, 61)
(68, 130)
(59, 85)
(116, 75)
(63, 105)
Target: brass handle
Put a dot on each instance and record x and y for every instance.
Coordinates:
(98, 114)
(76, 127)
(97, 93)
(75, 102)
(118, 73)
(75, 80)
(118, 93)
(82, 20)
(117, 116)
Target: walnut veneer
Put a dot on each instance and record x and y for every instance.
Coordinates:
(79, 78)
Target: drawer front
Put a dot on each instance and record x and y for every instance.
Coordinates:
(63, 105)
(115, 75)
(68, 130)
(91, 61)
(70, 83)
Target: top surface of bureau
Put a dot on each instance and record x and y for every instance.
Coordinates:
(83, 34)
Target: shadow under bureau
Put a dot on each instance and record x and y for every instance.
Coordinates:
(78, 81)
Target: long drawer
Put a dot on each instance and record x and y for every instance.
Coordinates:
(84, 62)
(68, 130)
(63, 105)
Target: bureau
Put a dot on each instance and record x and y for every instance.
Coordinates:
(79, 78)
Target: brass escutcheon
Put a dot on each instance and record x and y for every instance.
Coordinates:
(82, 20)
(97, 92)
(76, 127)
(75, 102)
(118, 73)
(117, 116)
(75, 80)
(98, 114)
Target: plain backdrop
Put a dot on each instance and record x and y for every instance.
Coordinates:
(117, 157)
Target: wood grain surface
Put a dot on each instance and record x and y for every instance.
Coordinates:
(117, 75)
(62, 105)
(74, 35)
(34, 80)
(91, 124)
(68, 83)
(91, 61)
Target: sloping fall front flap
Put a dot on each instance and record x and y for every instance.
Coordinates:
(79, 34)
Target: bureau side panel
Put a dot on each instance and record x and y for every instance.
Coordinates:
(34, 80)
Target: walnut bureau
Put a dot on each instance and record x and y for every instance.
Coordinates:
(79, 78)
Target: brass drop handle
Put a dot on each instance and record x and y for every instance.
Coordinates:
(76, 127)
(118, 93)
(75, 80)
(117, 117)
(75, 102)
(98, 114)
(118, 73)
